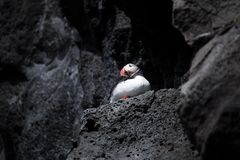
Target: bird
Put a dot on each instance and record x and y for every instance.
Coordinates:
(135, 83)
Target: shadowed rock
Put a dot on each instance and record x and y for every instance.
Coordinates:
(142, 127)
(40, 90)
(211, 109)
(194, 18)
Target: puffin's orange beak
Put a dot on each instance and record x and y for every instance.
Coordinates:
(122, 72)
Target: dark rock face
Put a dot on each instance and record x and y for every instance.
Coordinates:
(199, 21)
(210, 111)
(40, 87)
(95, 75)
(144, 127)
(211, 119)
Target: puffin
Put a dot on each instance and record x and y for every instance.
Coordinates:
(133, 85)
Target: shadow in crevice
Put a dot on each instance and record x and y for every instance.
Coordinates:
(90, 20)
(8, 146)
(162, 50)
(11, 74)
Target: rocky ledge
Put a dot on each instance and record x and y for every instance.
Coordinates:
(145, 127)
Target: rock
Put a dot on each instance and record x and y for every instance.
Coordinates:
(143, 127)
(50, 109)
(96, 74)
(195, 18)
(203, 19)
(210, 111)
(40, 90)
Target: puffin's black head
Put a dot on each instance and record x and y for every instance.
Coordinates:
(129, 70)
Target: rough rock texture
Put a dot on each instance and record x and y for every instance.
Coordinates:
(42, 92)
(40, 89)
(201, 19)
(210, 112)
(145, 127)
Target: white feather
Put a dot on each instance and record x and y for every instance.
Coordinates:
(130, 87)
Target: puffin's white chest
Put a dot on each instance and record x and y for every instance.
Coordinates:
(130, 88)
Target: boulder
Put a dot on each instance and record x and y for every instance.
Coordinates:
(202, 19)
(142, 127)
(210, 111)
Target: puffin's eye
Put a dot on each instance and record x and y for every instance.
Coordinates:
(130, 65)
